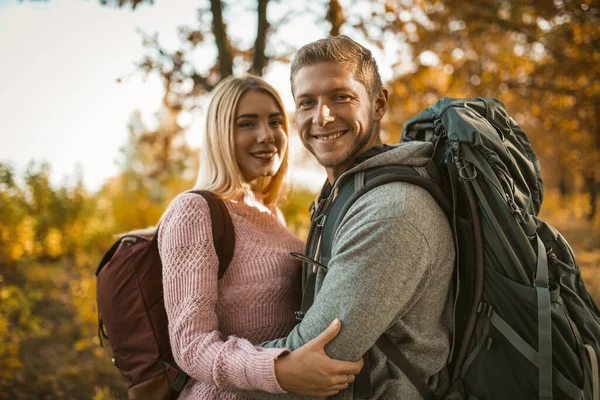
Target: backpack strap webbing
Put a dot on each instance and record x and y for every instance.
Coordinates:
(396, 356)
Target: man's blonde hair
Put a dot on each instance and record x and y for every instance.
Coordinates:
(343, 50)
(219, 171)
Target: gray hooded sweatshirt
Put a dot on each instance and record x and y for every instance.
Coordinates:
(390, 272)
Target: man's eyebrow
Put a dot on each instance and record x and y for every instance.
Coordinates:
(334, 90)
(343, 89)
(304, 95)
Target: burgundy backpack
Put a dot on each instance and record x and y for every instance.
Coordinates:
(131, 309)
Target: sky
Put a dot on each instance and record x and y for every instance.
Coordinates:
(60, 99)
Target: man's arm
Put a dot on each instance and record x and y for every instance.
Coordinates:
(379, 268)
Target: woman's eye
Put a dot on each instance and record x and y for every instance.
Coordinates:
(276, 122)
(246, 124)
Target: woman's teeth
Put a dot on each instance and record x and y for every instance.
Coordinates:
(264, 156)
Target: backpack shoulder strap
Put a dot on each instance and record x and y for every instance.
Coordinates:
(365, 181)
(222, 228)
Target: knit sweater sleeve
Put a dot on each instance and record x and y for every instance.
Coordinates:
(190, 286)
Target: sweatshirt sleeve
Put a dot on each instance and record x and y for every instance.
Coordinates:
(190, 286)
(380, 265)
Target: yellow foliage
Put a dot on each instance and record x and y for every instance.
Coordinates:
(17, 251)
(103, 393)
(9, 355)
(563, 210)
(23, 244)
(54, 243)
(14, 307)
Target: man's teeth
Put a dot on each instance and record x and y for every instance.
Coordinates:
(330, 137)
(263, 155)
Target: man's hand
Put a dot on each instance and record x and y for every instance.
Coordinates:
(309, 371)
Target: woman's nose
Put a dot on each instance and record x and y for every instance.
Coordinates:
(265, 134)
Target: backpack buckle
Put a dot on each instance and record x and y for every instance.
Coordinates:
(320, 220)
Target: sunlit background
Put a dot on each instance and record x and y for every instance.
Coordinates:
(101, 109)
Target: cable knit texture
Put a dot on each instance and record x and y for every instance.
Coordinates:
(255, 300)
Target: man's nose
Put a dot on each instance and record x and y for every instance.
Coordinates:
(323, 115)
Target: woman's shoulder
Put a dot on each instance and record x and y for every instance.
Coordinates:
(187, 206)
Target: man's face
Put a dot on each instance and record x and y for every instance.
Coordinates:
(335, 116)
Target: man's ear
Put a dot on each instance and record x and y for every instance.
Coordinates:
(380, 104)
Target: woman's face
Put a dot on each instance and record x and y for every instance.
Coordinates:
(258, 135)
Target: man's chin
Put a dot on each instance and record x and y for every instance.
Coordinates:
(330, 161)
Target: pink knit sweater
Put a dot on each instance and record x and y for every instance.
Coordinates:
(255, 300)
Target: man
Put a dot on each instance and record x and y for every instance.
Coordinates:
(392, 256)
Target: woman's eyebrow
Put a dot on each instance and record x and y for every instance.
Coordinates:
(246, 116)
(255, 116)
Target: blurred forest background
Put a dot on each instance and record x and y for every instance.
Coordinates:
(540, 57)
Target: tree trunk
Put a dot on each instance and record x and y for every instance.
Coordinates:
(260, 59)
(222, 41)
(592, 184)
(563, 183)
(591, 187)
(596, 120)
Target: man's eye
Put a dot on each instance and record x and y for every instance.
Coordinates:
(306, 103)
(341, 97)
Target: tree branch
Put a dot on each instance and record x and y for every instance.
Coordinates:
(335, 16)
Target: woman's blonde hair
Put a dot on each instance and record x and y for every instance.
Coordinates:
(219, 171)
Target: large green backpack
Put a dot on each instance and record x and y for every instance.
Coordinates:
(525, 326)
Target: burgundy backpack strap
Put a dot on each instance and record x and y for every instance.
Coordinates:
(222, 227)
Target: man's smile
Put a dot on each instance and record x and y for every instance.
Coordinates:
(329, 136)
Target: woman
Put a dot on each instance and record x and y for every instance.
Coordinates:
(244, 161)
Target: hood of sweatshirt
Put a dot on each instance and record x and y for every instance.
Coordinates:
(415, 154)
